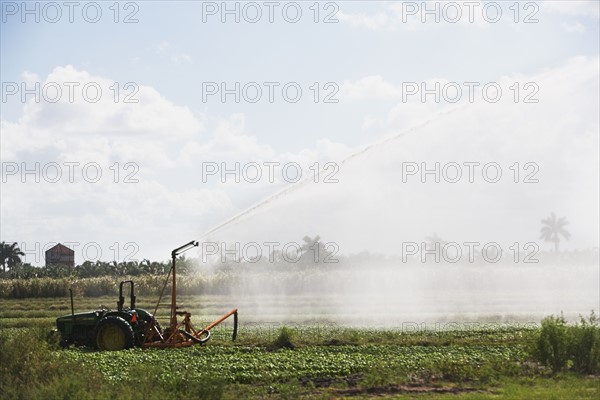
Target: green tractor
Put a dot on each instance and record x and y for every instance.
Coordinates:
(107, 329)
(126, 327)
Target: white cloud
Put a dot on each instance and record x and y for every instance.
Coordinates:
(575, 27)
(167, 144)
(370, 87)
(377, 21)
(375, 87)
(162, 47)
(29, 77)
(574, 7)
(181, 57)
(165, 49)
(370, 122)
(80, 125)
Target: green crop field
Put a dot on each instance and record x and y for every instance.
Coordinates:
(306, 359)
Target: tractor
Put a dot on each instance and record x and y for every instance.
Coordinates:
(106, 329)
(127, 327)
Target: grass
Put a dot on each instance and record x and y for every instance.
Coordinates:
(351, 363)
(558, 388)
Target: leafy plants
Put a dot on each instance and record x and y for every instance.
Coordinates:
(584, 345)
(560, 346)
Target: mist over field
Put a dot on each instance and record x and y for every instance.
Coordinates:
(463, 178)
(388, 294)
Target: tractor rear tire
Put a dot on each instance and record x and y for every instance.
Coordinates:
(114, 333)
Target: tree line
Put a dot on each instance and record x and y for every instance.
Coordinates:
(553, 229)
(14, 268)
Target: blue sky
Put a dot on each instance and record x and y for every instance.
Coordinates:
(170, 52)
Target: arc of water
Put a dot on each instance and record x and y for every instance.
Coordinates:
(239, 217)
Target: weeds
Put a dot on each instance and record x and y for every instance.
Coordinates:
(560, 346)
(283, 340)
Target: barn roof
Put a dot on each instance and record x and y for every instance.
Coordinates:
(60, 248)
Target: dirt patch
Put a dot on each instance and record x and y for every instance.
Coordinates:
(353, 389)
(399, 389)
(325, 382)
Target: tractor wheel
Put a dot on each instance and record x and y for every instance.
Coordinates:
(114, 333)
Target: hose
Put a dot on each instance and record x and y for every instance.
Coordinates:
(196, 339)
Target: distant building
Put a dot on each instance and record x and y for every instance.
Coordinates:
(60, 255)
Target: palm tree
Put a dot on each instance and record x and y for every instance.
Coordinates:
(314, 251)
(309, 243)
(311, 246)
(433, 240)
(10, 255)
(553, 228)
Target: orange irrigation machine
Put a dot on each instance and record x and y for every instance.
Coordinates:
(181, 333)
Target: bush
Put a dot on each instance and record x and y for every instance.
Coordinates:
(29, 369)
(561, 346)
(584, 346)
(284, 340)
(551, 344)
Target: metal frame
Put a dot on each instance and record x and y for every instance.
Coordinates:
(181, 334)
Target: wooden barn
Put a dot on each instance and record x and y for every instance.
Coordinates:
(60, 255)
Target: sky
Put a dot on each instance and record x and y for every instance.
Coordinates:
(128, 116)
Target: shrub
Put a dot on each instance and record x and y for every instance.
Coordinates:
(283, 340)
(584, 345)
(551, 344)
(561, 346)
(29, 369)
